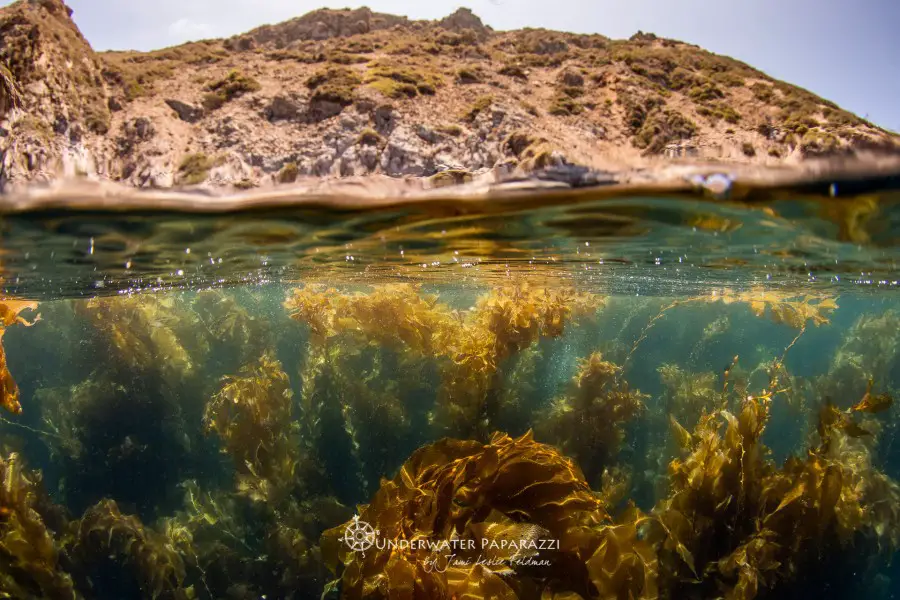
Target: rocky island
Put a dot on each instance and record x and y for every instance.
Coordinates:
(338, 93)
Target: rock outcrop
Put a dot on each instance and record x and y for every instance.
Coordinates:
(338, 93)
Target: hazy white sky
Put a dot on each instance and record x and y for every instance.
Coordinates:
(847, 51)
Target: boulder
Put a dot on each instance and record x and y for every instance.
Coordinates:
(186, 112)
(282, 108)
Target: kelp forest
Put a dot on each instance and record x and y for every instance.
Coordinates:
(317, 442)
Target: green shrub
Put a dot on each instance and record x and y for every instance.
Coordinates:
(369, 137)
(661, 127)
(244, 184)
(681, 79)
(763, 92)
(572, 91)
(195, 168)
(479, 106)
(398, 81)
(705, 92)
(720, 110)
(342, 58)
(232, 86)
(467, 75)
(817, 142)
(212, 101)
(334, 84)
(512, 70)
(637, 108)
(450, 177)
(564, 105)
(775, 152)
(748, 149)
(728, 79)
(288, 173)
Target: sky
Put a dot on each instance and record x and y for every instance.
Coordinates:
(845, 50)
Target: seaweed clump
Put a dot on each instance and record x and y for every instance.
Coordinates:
(30, 557)
(467, 491)
(251, 414)
(688, 396)
(107, 536)
(735, 526)
(588, 423)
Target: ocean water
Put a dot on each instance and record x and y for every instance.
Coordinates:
(550, 395)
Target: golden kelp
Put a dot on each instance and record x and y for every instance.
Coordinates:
(588, 423)
(687, 396)
(396, 316)
(789, 308)
(502, 324)
(30, 568)
(10, 315)
(873, 403)
(471, 348)
(104, 532)
(457, 490)
(794, 310)
(734, 525)
(251, 414)
(147, 332)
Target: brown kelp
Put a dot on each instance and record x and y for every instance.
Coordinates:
(472, 347)
(139, 330)
(233, 334)
(501, 325)
(30, 559)
(234, 471)
(869, 351)
(588, 423)
(251, 414)
(735, 525)
(10, 315)
(469, 492)
(687, 396)
(395, 338)
(105, 534)
(794, 310)
(369, 357)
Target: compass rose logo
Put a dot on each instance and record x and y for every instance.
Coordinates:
(359, 536)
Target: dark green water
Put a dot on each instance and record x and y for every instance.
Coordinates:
(207, 400)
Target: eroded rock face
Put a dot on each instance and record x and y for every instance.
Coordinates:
(134, 118)
(134, 132)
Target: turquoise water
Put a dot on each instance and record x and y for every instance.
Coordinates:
(682, 396)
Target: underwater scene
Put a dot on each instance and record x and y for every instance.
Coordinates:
(551, 398)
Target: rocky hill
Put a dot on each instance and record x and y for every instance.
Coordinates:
(352, 92)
